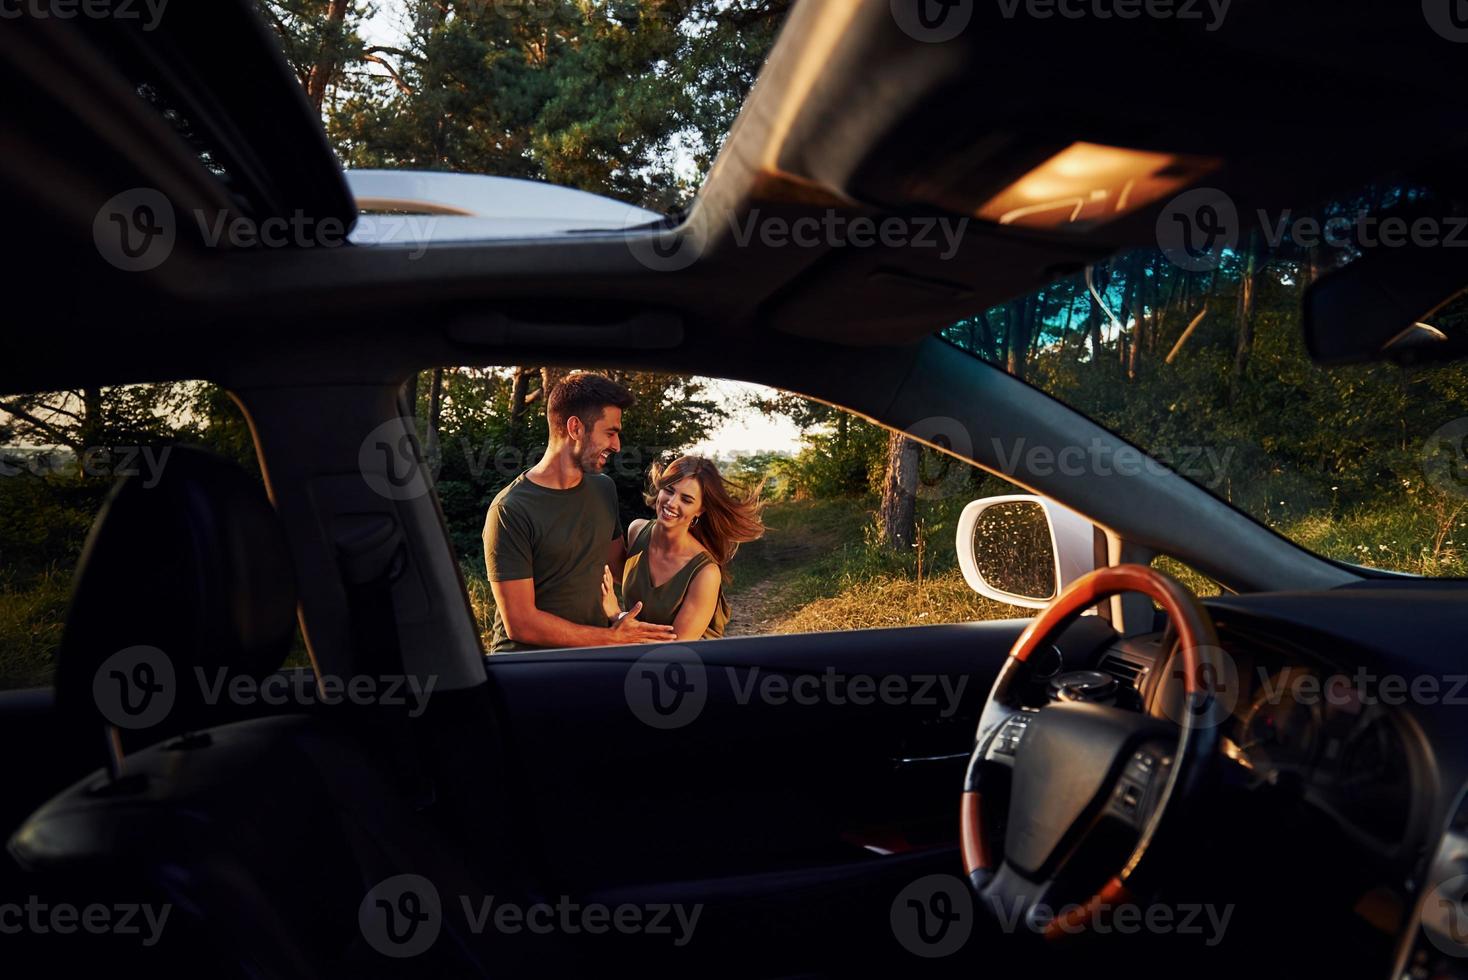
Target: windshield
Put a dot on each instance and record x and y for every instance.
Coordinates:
(1205, 368)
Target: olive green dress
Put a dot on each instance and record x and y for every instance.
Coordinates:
(660, 604)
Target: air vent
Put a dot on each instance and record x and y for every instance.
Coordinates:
(1129, 671)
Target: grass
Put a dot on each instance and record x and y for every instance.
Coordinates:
(818, 568)
(31, 621)
(1431, 540)
(894, 600)
(481, 601)
(1197, 582)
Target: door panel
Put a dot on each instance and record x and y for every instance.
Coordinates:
(777, 790)
(773, 773)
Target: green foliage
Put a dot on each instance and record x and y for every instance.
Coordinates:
(761, 469)
(43, 523)
(1240, 408)
(839, 460)
(627, 98)
(47, 511)
(31, 619)
(218, 425)
(309, 34)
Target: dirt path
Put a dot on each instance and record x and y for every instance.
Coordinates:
(755, 609)
(761, 571)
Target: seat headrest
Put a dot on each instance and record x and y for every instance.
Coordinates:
(195, 565)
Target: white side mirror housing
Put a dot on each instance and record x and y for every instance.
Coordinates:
(1002, 544)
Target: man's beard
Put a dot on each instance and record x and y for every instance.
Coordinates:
(592, 462)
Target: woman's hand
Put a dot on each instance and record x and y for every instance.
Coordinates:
(609, 604)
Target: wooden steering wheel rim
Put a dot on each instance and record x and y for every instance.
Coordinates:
(1195, 636)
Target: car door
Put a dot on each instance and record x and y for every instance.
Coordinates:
(790, 786)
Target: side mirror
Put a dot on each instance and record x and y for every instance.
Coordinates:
(1022, 549)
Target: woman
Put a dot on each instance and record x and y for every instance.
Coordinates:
(676, 561)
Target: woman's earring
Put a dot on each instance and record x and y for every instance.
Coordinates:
(695, 520)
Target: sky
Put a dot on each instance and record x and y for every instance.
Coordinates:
(747, 430)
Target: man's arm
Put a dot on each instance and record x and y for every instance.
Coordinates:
(525, 623)
(617, 551)
(617, 557)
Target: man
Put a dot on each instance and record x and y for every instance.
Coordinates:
(551, 533)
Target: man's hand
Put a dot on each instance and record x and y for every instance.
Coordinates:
(526, 623)
(630, 629)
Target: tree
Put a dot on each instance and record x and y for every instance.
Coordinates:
(897, 515)
(609, 96)
(131, 415)
(521, 398)
(318, 38)
(1244, 314)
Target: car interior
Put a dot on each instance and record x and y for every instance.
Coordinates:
(792, 827)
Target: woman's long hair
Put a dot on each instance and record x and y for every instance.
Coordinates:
(730, 514)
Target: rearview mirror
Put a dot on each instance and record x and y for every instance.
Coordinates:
(1391, 304)
(1022, 549)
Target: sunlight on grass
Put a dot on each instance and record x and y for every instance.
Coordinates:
(888, 600)
(1198, 583)
(481, 601)
(1403, 538)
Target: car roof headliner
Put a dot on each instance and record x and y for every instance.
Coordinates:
(850, 116)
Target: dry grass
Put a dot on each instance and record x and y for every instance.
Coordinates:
(894, 600)
(481, 600)
(818, 570)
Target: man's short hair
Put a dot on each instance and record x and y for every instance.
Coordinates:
(585, 396)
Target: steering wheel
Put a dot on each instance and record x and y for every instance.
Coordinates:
(1077, 765)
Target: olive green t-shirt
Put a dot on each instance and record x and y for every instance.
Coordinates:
(559, 538)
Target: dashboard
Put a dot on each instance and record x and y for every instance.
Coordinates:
(1336, 731)
(1336, 735)
(1331, 731)
(1342, 775)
